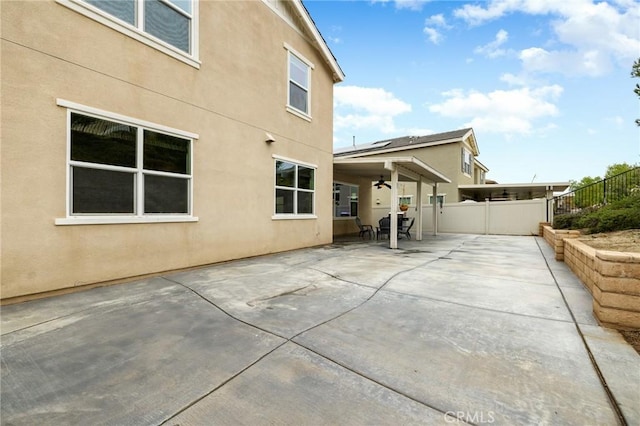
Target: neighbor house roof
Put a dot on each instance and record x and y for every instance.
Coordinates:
(410, 142)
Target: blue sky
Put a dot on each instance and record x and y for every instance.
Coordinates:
(545, 84)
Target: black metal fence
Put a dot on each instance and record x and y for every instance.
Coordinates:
(599, 193)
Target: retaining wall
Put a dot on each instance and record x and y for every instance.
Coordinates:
(556, 238)
(612, 278)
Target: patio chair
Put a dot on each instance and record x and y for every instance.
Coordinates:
(405, 229)
(384, 227)
(364, 229)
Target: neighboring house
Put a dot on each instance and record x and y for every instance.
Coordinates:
(460, 177)
(452, 153)
(145, 136)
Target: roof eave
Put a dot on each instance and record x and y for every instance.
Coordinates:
(338, 74)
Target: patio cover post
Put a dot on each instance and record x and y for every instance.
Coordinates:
(419, 209)
(434, 203)
(393, 237)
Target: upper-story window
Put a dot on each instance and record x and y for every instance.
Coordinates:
(299, 87)
(467, 159)
(168, 25)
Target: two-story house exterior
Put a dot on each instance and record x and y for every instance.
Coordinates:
(147, 136)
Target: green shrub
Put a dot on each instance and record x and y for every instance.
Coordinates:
(565, 221)
(616, 216)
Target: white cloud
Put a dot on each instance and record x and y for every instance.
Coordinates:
(418, 131)
(617, 120)
(437, 21)
(410, 4)
(435, 36)
(591, 62)
(513, 80)
(493, 49)
(367, 107)
(433, 22)
(501, 111)
(594, 36)
(404, 4)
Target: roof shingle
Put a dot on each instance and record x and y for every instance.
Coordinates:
(401, 143)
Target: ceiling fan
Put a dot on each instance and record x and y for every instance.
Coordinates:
(381, 183)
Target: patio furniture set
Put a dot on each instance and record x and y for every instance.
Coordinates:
(384, 227)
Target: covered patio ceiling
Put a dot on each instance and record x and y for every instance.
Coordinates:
(393, 170)
(410, 169)
(513, 191)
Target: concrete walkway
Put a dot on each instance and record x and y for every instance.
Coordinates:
(452, 329)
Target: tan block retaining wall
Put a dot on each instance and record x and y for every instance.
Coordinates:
(556, 237)
(612, 278)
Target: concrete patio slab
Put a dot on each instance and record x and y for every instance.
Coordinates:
(452, 328)
(287, 388)
(136, 360)
(284, 303)
(500, 294)
(516, 369)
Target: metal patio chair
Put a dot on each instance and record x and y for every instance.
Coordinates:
(364, 229)
(384, 227)
(406, 229)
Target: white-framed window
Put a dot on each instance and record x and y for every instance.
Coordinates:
(345, 200)
(441, 199)
(124, 170)
(467, 160)
(294, 189)
(405, 199)
(299, 83)
(170, 26)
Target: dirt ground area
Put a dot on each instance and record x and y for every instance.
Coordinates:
(628, 240)
(633, 338)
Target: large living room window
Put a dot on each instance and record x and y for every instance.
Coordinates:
(125, 170)
(168, 25)
(345, 200)
(299, 87)
(294, 189)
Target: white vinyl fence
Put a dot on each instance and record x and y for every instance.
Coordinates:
(489, 217)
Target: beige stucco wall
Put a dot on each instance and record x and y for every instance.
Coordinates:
(239, 92)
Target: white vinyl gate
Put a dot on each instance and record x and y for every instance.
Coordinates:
(490, 217)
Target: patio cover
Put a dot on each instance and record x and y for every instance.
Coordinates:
(395, 169)
(518, 191)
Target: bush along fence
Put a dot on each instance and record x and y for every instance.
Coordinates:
(598, 194)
